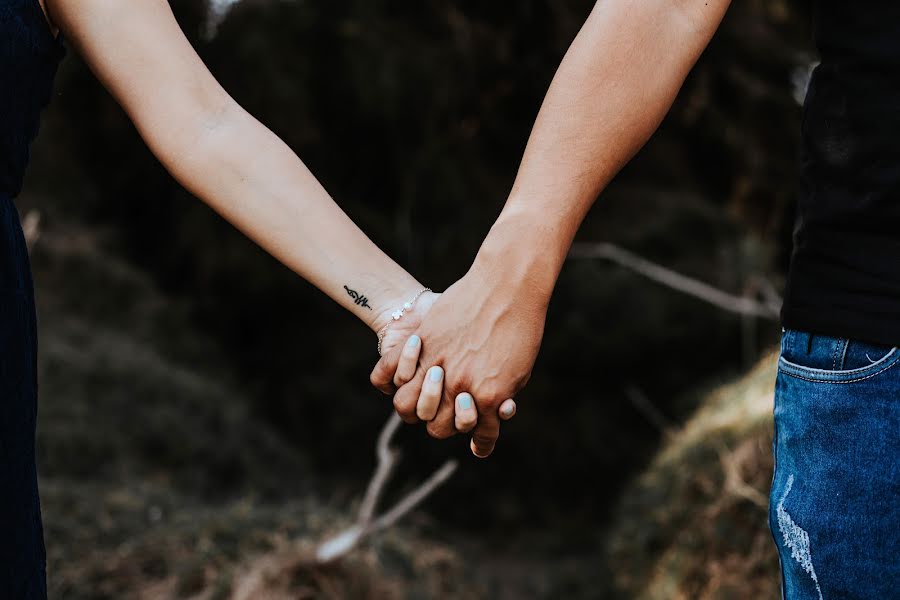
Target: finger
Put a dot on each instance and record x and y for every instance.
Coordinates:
(382, 376)
(430, 397)
(409, 359)
(442, 426)
(508, 409)
(466, 415)
(485, 434)
(406, 397)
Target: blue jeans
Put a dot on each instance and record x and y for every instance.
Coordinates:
(834, 508)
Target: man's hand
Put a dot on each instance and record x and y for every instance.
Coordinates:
(484, 332)
(617, 81)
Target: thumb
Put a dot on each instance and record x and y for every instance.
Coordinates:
(382, 376)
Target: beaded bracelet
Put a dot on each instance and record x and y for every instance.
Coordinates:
(395, 316)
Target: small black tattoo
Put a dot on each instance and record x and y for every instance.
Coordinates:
(358, 298)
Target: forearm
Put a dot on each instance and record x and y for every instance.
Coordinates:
(612, 90)
(250, 177)
(224, 156)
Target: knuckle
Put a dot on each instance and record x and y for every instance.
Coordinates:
(489, 404)
(439, 431)
(467, 419)
(453, 386)
(523, 381)
(425, 411)
(377, 379)
(403, 408)
(492, 396)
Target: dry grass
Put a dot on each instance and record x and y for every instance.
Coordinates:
(157, 482)
(694, 524)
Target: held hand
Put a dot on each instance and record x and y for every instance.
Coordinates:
(432, 388)
(399, 332)
(482, 343)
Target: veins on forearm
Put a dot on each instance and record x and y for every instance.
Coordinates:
(358, 299)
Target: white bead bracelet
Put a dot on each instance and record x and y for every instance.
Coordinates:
(397, 314)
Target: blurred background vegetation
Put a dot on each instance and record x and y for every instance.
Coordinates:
(201, 406)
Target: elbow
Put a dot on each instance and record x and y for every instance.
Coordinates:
(196, 144)
(700, 17)
(215, 117)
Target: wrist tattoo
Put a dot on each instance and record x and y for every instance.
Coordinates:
(358, 299)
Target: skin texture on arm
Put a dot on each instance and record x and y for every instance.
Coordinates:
(224, 156)
(610, 93)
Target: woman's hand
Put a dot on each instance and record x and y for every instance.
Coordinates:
(485, 331)
(429, 399)
(399, 331)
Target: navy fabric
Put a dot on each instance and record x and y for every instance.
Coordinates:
(29, 56)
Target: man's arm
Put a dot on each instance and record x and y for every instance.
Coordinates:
(612, 90)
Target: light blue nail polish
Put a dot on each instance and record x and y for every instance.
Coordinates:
(413, 341)
(435, 373)
(464, 401)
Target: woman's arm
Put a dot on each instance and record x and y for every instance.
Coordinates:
(224, 156)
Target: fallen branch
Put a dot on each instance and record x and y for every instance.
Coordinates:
(366, 524)
(654, 416)
(415, 497)
(693, 287)
(387, 460)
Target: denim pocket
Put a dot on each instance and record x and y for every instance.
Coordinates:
(833, 359)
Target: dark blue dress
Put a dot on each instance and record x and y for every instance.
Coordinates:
(29, 55)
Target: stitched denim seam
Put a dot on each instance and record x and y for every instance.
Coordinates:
(844, 353)
(884, 360)
(789, 367)
(834, 355)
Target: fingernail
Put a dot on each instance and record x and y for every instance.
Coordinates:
(413, 341)
(508, 410)
(435, 373)
(464, 401)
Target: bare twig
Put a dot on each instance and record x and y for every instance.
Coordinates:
(366, 524)
(677, 281)
(759, 285)
(645, 406)
(387, 460)
(412, 499)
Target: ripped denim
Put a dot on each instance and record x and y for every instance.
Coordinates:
(834, 507)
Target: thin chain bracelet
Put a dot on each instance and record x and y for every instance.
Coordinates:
(395, 316)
